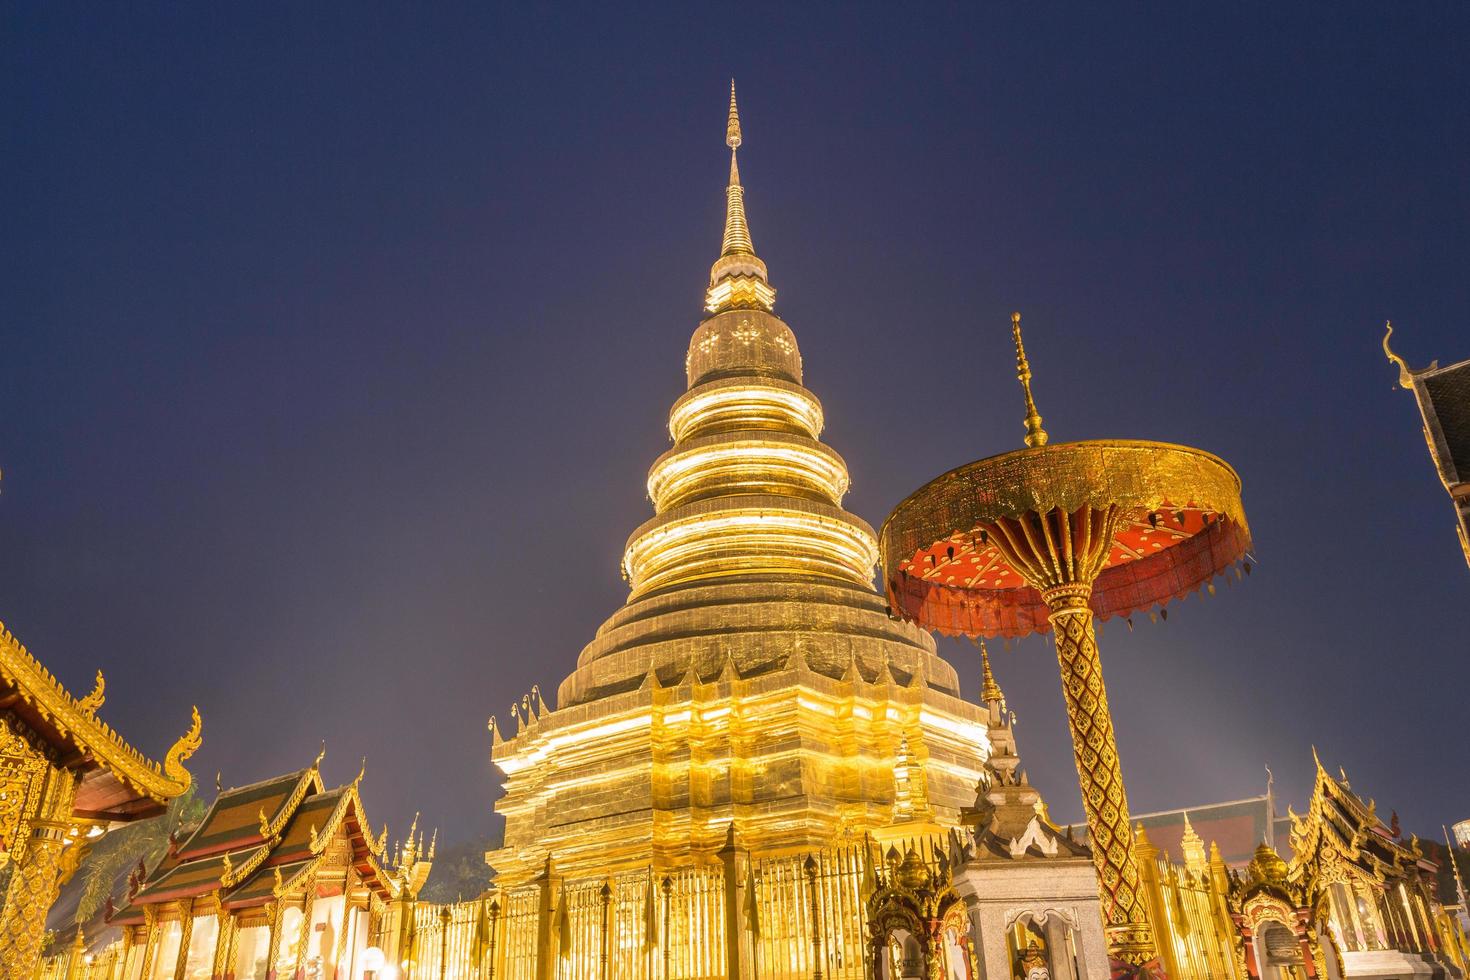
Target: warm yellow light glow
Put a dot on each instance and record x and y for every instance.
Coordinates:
(756, 465)
(735, 292)
(737, 403)
(746, 541)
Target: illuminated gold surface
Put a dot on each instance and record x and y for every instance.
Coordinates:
(754, 677)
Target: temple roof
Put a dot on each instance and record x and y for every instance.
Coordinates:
(257, 840)
(1447, 411)
(1235, 826)
(1340, 829)
(117, 781)
(1443, 394)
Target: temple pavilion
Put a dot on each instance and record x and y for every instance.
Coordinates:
(281, 878)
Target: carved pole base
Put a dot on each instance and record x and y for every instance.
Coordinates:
(1131, 949)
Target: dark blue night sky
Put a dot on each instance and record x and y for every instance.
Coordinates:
(337, 341)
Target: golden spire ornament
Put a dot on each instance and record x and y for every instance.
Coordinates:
(737, 230)
(738, 279)
(989, 689)
(732, 126)
(1035, 434)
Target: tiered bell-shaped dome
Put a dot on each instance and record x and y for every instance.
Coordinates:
(749, 538)
(747, 488)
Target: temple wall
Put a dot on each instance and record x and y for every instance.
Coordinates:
(793, 757)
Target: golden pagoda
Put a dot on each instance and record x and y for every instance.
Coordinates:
(753, 686)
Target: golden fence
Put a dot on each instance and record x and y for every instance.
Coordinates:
(101, 965)
(639, 925)
(1197, 937)
(783, 944)
(449, 941)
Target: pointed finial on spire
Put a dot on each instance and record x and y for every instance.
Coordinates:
(1035, 434)
(737, 231)
(989, 689)
(732, 126)
(738, 279)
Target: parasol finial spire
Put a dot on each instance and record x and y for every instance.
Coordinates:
(1035, 434)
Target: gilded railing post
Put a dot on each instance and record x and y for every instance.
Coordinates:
(1219, 885)
(604, 894)
(1147, 857)
(445, 918)
(494, 927)
(545, 919)
(74, 961)
(737, 879)
(667, 887)
(810, 867)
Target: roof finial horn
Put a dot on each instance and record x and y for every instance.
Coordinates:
(1406, 378)
(1035, 434)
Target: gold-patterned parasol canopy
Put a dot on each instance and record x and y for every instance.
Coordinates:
(950, 550)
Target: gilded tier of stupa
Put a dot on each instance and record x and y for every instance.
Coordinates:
(754, 676)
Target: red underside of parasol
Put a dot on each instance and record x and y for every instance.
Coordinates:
(961, 586)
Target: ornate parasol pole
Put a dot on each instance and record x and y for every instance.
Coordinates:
(1045, 538)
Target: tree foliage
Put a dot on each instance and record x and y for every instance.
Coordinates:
(118, 851)
(460, 870)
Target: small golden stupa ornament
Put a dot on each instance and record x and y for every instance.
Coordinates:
(1047, 538)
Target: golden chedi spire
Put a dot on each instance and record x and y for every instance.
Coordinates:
(989, 689)
(737, 280)
(737, 231)
(751, 621)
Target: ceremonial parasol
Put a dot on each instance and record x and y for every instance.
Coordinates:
(1047, 538)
